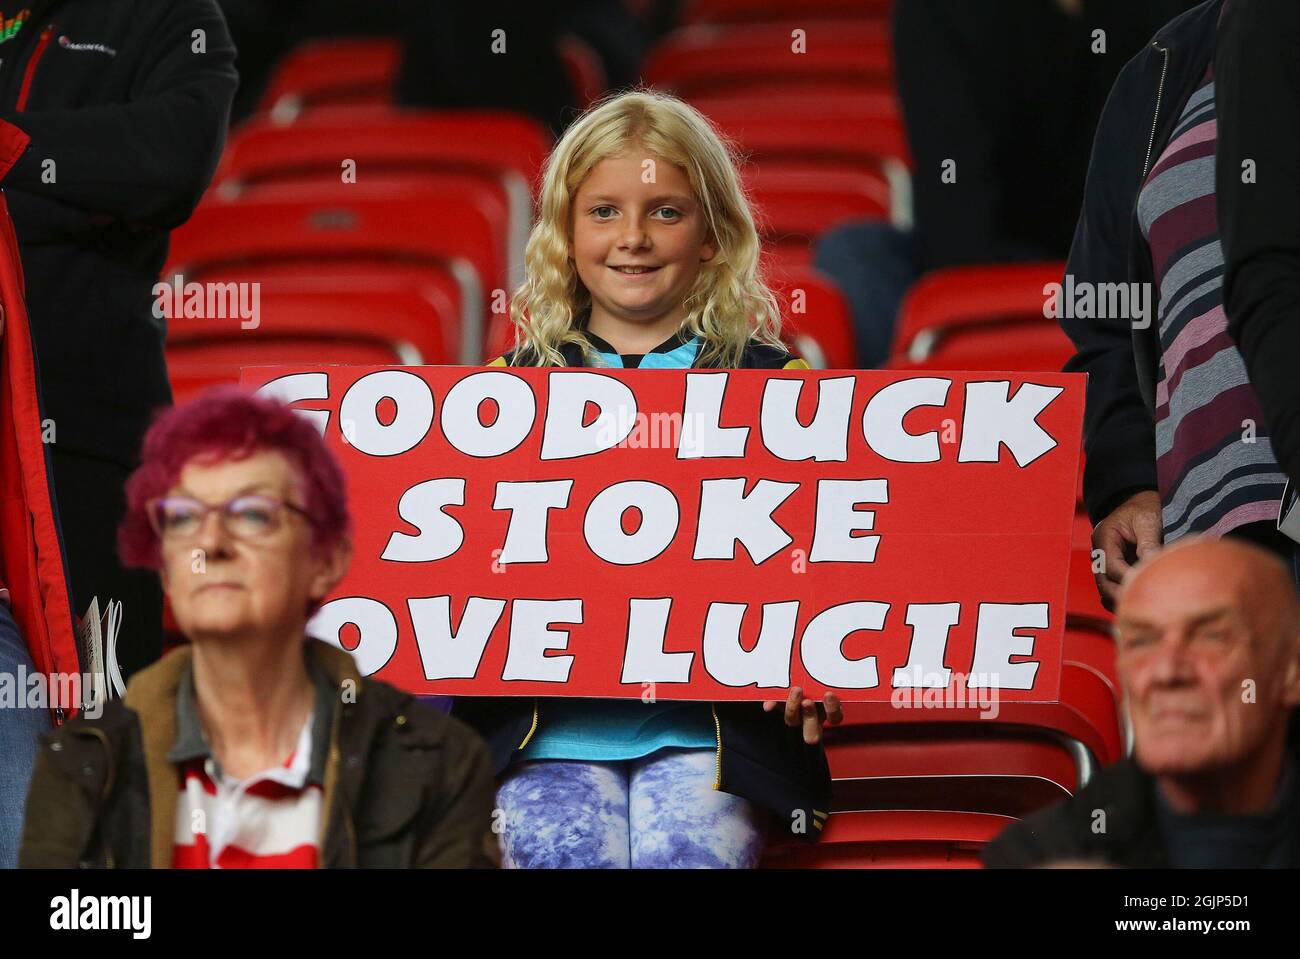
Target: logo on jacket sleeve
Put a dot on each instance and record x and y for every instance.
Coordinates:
(9, 26)
(67, 44)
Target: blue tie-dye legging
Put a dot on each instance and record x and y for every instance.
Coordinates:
(657, 812)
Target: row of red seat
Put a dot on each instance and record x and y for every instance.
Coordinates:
(824, 148)
(346, 210)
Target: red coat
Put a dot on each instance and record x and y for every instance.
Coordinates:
(31, 550)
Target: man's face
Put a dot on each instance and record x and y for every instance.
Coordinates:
(1204, 683)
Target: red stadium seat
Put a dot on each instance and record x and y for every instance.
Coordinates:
(1084, 605)
(1084, 602)
(1094, 649)
(815, 317)
(405, 321)
(505, 147)
(377, 229)
(458, 203)
(1092, 697)
(904, 825)
(194, 368)
(900, 839)
(585, 71)
(981, 318)
(858, 129)
(759, 11)
(430, 282)
(1016, 347)
(307, 325)
(950, 770)
(500, 338)
(973, 767)
(1086, 716)
(333, 72)
(386, 140)
(794, 204)
(762, 58)
(828, 129)
(962, 298)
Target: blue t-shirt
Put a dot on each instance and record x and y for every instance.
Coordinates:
(616, 729)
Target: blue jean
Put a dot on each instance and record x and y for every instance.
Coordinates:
(874, 264)
(657, 812)
(19, 728)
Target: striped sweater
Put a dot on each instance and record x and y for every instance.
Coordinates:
(1214, 463)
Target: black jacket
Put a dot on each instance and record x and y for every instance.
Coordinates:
(1121, 357)
(127, 121)
(759, 757)
(404, 785)
(1258, 77)
(1010, 91)
(1124, 834)
(1113, 820)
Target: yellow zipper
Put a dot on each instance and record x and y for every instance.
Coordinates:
(717, 728)
(531, 729)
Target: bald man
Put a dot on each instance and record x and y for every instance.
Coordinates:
(1208, 652)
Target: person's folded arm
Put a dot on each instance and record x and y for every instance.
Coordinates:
(39, 219)
(1257, 87)
(145, 161)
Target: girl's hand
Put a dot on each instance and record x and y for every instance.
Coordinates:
(809, 713)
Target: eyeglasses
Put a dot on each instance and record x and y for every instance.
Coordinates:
(250, 516)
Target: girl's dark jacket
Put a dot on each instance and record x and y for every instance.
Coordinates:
(1122, 354)
(758, 757)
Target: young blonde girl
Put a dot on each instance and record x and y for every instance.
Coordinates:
(645, 255)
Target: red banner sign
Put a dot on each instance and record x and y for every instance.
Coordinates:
(700, 535)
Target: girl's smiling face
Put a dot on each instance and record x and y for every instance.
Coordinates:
(637, 247)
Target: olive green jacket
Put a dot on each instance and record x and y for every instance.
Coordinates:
(404, 785)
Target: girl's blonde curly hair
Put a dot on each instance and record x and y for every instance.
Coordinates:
(728, 304)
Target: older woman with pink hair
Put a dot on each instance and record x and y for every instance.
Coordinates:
(253, 746)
